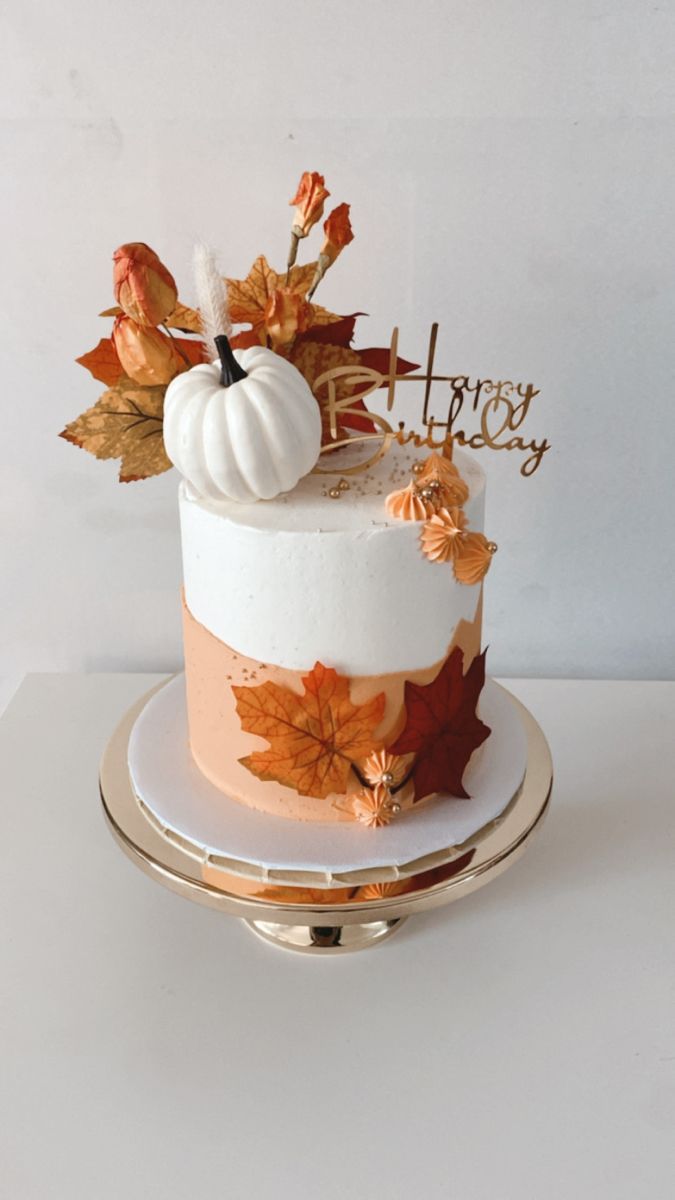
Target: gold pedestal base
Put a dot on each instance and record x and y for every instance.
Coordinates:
(327, 921)
(325, 939)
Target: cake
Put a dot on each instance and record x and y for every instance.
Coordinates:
(273, 588)
(333, 560)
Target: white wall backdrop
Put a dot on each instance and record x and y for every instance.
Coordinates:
(511, 170)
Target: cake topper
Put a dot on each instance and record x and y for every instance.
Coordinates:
(156, 339)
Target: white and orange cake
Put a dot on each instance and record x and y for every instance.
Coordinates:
(310, 619)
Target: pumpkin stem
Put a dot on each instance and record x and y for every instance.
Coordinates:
(230, 369)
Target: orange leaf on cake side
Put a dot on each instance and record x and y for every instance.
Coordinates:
(313, 738)
(125, 423)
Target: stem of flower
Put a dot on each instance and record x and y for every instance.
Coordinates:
(230, 370)
(176, 346)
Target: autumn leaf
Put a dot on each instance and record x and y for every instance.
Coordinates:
(377, 358)
(315, 737)
(337, 333)
(183, 318)
(191, 351)
(103, 362)
(442, 727)
(312, 359)
(247, 298)
(248, 338)
(125, 423)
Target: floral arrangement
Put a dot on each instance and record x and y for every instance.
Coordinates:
(155, 337)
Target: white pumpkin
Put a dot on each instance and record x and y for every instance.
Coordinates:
(247, 441)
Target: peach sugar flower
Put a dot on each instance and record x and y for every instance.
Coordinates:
(442, 533)
(374, 807)
(383, 767)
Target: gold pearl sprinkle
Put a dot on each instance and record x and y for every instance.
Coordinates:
(334, 493)
(492, 547)
(343, 485)
(387, 778)
(395, 807)
(418, 467)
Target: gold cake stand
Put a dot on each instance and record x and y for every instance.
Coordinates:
(324, 920)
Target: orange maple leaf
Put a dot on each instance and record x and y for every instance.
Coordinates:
(247, 298)
(315, 737)
(125, 423)
(103, 362)
(183, 318)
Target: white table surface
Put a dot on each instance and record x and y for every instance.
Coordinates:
(518, 1045)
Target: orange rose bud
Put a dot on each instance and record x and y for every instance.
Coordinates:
(143, 286)
(147, 355)
(338, 230)
(286, 313)
(309, 201)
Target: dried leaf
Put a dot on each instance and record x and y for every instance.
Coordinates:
(190, 350)
(183, 318)
(248, 338)
(377, 358)
(125, 423)
(247, 298)
(442, 727)
(312, 359)
(315, 737)
(103, 362)
(337, 333)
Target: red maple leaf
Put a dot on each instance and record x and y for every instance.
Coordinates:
(442, 727)
(338, 333)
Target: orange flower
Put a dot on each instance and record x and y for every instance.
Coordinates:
(374, 806)
(286, 313)
(383, 767)
(143, 286)
(309, 201)
(408, 505)
(474, 555)
(442, 534)
(440, 473)
(338, 230)
(147, 355)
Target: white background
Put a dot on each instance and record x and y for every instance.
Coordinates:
(511, 170)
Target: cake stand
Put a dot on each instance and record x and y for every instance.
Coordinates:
(333, 911)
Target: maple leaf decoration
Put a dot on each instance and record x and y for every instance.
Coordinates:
(442, 727)
(125, 423)
(314, 737)
(247, 299)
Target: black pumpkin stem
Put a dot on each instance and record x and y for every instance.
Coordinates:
(230, 370)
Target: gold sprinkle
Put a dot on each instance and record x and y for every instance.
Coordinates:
(334, 493)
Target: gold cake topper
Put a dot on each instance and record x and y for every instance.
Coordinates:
(501, 407)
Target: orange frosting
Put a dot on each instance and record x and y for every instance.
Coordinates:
(218, 742)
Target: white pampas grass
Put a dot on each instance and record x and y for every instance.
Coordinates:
(211, 300)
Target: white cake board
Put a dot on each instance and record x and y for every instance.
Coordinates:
(172, 789)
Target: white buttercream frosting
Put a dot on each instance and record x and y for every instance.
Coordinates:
(305, 577)
(246, 442)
